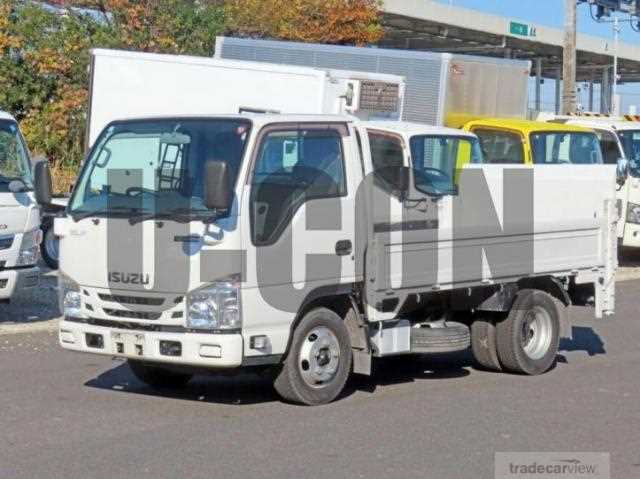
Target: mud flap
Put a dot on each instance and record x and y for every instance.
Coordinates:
(360, 343)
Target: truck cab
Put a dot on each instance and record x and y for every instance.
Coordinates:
(20, 233)
(513, 141)
(619, 139)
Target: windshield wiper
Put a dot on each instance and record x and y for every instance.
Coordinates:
(181, 215)
(106, 211)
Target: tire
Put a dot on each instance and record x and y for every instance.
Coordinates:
(49, 246)
(449, 338)
(320, 343)
(483, 344)
(529, 337)
(158, 377)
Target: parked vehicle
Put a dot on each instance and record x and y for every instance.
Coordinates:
(523, 142)
(620, 144)
(485, 95)
(145, 83)
(20, 233)
(308, 245)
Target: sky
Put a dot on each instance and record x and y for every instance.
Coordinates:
(551, 13)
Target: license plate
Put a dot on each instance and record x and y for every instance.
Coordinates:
(128, 344)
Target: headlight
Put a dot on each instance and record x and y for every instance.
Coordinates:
(29, 248)
(633, 213)
(215, 307)
(70, 297)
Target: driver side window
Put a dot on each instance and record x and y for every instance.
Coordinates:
(501, 147)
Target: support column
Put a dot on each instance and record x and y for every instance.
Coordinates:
(591, 94)
(538, 84)
(569, 59)
(558, 90)
(605, 92)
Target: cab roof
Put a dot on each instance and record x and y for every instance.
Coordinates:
(5, 116)
(409, 128)
(526, 126)
(256, 118)
(605, 124)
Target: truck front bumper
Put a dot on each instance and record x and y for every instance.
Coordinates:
(12, 280)
(188, 348)
(631, 238)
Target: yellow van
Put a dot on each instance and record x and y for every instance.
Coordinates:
(512, 141)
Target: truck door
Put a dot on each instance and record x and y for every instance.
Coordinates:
(402, 250)
(300, 231)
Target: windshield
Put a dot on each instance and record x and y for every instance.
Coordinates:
(436, 160)
(156, 166)
(552, 148)
(630, 140)
(14, 159)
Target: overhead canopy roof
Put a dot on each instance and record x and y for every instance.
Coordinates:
(429, 25)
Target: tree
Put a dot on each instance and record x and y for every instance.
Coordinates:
(45, 51)
(323, 21)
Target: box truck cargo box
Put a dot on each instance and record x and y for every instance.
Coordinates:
(442, 88)
(131, 84)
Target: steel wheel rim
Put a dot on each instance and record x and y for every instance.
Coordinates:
(51, 244)
(537, 331)
(319, 357)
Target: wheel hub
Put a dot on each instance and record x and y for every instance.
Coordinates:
(319, 357)
(536, 333)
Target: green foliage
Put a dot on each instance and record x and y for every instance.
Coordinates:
(44, 50)
(45, 56)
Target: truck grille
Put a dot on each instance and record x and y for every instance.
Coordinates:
(131, 299)
(120, 313)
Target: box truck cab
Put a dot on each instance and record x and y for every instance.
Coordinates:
(308, 245)
(619, 139)
(524, 142)
(20, 233)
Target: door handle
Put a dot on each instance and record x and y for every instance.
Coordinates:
(343, 247)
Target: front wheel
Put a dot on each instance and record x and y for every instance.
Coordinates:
(528, 339)
(49, 248)
(318, 364)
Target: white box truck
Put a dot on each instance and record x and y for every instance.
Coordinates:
(20, 233)
(154, 84)
(308, 245)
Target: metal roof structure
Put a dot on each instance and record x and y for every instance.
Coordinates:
(434, 26)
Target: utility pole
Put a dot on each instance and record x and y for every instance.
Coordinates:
(569, 58)
(616, 42)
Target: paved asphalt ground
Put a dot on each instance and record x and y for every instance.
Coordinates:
(66, 415)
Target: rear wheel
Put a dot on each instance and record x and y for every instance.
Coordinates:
(319, 360)
(158, 377)
(529, 337)
(483, 344)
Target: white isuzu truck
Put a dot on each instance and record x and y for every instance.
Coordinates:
(312, 244)
(20, 233)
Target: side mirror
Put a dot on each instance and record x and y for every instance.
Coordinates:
(42, 182)
(622, 170)
(217, 185)
(402, 180)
